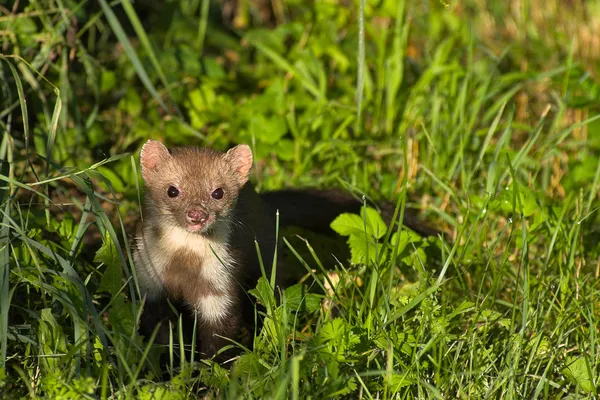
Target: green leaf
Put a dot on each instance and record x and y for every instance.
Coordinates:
(375, 223)
(114, 179)
(400, 380)
(25, 28)
(297, 298)
(263, 293)
(111, 279)
(131, 103)
(51, 338)
(415, 258)
(203, 98)
(156, 392)
(352, 224)
(213, 69)
(286, 149)
(269, 129)
(526, 202)
(67, 227)
(96, 135)
(338, 338)
(190, 62)
(347, 224)
(120, 316)
(361, 247)
(108, 81)
(577, 372)
(201, 102)
(403, 238)
(399, 239)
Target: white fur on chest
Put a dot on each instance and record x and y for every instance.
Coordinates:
(153, 255)
(214, 308)
(217, 263)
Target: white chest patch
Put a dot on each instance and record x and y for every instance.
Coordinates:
(217, 263)
(214, 308)
(153, 256)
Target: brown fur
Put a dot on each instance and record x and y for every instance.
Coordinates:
(205, 269)
(218, 262)
(183, 281)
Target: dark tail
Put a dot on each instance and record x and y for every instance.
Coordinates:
(315, 209)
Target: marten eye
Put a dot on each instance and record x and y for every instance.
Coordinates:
(217, 194)
(172, 191)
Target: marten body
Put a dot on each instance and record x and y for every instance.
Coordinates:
(196, 244)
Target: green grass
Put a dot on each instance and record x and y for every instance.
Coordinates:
(484, 115)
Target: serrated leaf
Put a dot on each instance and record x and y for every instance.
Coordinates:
(368, 221)
(399, 239)
(263, 292)
(361, 248)
(67, 227)
(347, 386)
(416, 258)
(337, 333)
(402, 341)
(462, 308)
(543, 347)
(297, 298)
(399, 380)
(375, 223)
(358, 250)
(347, 224)
(505, 323)
(576, 371)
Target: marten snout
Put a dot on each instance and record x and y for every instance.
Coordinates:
(196, 216)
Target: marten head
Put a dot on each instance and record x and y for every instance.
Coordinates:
(192, 187)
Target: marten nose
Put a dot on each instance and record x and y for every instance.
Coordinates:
(196, 216)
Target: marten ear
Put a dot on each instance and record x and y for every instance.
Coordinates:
(152, 155)
(240, 158)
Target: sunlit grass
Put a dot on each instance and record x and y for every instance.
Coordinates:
(482, 115)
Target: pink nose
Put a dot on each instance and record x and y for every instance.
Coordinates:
(196, 216)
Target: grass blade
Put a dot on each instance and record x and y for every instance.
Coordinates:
(360, 81)
(131, 53)
(4, 283)
(143, 37)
